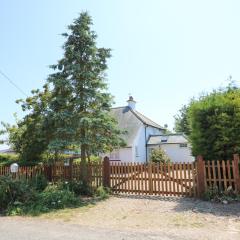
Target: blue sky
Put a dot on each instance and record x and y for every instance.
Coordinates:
(163, 52)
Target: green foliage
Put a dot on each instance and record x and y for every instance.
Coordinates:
(78, 187)
(14, 192)
(80, 103)
(182, 121)
(19, 197)
(103, 192)
(211, 123)
(50, 199)
(215, 195)
(214, 121)
(38, 182)
(36, 196)
(54, 198)
(159, 156)
(30, 136)
(7, 159)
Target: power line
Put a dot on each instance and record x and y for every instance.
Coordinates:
(15, 85)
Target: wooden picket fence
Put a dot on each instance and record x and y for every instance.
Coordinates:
(58, 172)
(221, 175)
(173, 179)
(24, 172)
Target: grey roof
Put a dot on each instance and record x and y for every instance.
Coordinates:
(130, 121)
(167, 139)
(146, 120)
(9, 150)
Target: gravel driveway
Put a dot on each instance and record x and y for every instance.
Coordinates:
(26, 229)
(131, 218)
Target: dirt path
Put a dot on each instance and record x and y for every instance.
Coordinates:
(143, 218)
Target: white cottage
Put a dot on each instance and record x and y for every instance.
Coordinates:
(176, 146)
(139, 128)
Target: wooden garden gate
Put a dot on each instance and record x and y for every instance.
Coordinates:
(172, 179)
(175, 179)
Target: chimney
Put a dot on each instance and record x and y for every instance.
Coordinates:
(131, 103)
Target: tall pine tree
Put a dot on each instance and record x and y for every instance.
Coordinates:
(80, 102)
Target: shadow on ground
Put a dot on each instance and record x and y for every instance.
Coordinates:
(184, 204)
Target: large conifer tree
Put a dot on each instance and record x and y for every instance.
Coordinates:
(80, 102)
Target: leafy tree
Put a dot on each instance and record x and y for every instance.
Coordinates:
(158, 155)
(30, 135)
(181, 121)
(166, 130)
(215, 124)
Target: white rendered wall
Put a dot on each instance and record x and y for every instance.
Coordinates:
(124, 155)
(139, 145)
(140, 142)
(176, 153)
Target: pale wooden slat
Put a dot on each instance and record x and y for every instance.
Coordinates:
(185, 179)
(169, 179)
(193, 171)
(224, 175)
(162, 183)
(219, 174)
(177, 177)
(209, 174)
(214, 174)
(181, 178)
(189, 178)
(229, 173)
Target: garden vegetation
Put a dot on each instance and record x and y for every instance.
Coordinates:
(36, 196)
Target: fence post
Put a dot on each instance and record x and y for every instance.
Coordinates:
(70, 169)
(200, 176)
(48, 172)
(236, 172)
(150, 165)
(106, 172)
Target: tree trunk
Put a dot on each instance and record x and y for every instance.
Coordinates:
(83, 163)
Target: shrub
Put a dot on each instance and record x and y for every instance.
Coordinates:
(51, 198)
(14, 191)
(78, 187)
(159, 156)
(38, 182)
(216, 195)
(7, 159)
(103, 192)
(54, 198)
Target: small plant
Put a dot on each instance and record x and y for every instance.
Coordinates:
(158, 155)
(214, 194)
(54, 198)
(78, 187)
(39, 182)
(103, 192)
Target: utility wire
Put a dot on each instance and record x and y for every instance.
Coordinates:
(15, 85)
